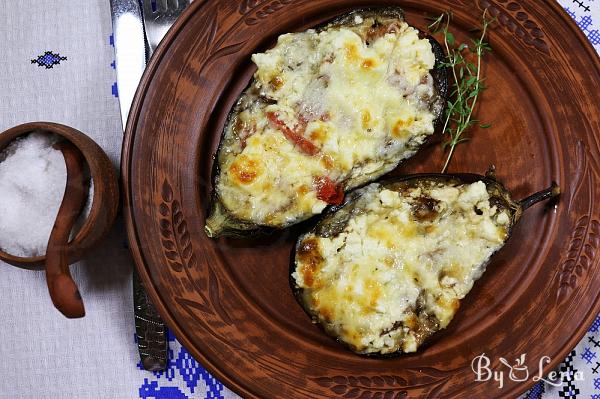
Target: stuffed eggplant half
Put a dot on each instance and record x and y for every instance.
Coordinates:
(328, 110)
(388, 269)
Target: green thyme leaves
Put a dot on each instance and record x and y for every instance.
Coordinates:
(464, 63)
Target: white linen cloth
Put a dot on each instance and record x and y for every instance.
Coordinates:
(45, 355)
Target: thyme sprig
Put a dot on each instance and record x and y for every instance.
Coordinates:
(467, 81)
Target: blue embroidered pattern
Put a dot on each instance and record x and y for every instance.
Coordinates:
(585, 21)
(595, 325)
(114, 88)
(48, 59)
(184, 378)
(588, 355)
(536, 392)
(150, 389)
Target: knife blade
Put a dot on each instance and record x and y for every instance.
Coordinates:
(130, 50)
(130, 58)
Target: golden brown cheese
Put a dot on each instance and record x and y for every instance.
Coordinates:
(327, 111)
(400, 267)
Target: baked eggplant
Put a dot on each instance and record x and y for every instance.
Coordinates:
(387, 269)
(328, 110)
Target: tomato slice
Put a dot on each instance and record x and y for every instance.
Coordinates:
(328, 191)
(305, 145)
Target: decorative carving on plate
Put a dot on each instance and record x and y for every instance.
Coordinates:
(513, 17)
(378, 387)
(249, 7)
(386, 386)
(580, 255)
(179, 252)
(585, 238)
(175, 241)
(175, 238)
(211, 47)
(577, 179)
(462, 3)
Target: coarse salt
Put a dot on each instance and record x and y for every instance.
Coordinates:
(33, 176)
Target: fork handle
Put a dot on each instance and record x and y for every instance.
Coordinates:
(150, 329)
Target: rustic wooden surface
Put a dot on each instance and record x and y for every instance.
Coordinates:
(228, 301)
(105, 202)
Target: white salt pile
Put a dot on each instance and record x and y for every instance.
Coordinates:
(33, 176)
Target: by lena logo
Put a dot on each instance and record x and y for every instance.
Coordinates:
(519, 371)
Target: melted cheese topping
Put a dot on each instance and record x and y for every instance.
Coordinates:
(326, 106)
(397, 271)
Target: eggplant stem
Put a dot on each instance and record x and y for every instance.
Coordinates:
(550, 192)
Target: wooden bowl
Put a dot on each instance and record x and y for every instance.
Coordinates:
(105, 201)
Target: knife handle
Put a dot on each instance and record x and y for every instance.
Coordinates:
(150, 329)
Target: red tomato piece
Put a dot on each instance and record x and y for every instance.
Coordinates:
(328, 191)
(305, 145)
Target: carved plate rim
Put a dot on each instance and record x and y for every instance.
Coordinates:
(136, 247)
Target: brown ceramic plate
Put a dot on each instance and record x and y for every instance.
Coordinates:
(228, 301)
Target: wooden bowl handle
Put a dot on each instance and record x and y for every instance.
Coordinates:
(63, 290)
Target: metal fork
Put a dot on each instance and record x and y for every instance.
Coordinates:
(159, 16)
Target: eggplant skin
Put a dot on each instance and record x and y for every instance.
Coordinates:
(335, 218)
(244, 201)
(425, 222)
